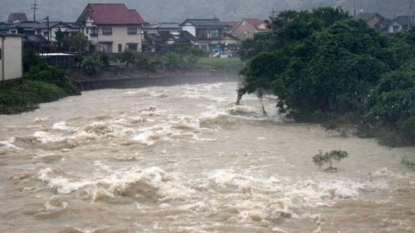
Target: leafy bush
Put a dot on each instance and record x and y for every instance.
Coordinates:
(172, 61)
(91, 64)
(17, 98)
(105, 59)
(141, 61)
(30, 58)
(128, 56)
(53, 75)
(320, 159)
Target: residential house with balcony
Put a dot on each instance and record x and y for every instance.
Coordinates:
(248, 27)
(209, 33)
(112, 27)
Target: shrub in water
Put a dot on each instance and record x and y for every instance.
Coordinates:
(320, 159)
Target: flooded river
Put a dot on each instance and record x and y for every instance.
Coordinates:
(186, 159)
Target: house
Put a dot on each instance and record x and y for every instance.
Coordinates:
(4, 27)
(399, 24)
(372, 19)
(11, 61)
(17, 17)
(49, 29)
(230, 25)
(247, 28)
(112, 27)
(160, 42)
(208, 32)
(163, 28)
(24, 27)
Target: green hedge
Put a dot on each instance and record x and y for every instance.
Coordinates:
(20, 97)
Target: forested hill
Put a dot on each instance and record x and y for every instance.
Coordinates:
(177, 10)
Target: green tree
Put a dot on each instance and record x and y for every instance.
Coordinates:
(128, 56)
(62, 37)
(79, 42)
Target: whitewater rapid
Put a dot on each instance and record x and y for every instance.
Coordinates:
(187, 159)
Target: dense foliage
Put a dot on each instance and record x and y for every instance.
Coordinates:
(169, 61)
(322, 64)
(41, 83)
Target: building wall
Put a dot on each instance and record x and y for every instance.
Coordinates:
(190, 28)
(243, 31)
(394, 27)
(11, 57)
(119, 36)
(373, 21)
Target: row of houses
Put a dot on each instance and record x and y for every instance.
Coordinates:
(385, 25)
(112, 28)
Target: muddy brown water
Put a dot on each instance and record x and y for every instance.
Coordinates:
(185, 158)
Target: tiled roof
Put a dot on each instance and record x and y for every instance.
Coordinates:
(231, 24)
(367, 16)
(165, 25)
(113, 14)
(188, 36)
(17, 17)
(35, 39)
(25, 24)
(204, 22)
(258, 24)
(403, 20)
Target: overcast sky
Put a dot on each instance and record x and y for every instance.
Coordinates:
(177, 10)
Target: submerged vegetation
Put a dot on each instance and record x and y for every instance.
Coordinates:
(321, 159)
(325, 66)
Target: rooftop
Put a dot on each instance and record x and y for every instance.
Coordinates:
(111, 14)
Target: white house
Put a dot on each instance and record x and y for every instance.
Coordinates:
(11, 58)
(112, 27)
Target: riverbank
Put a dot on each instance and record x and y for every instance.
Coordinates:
(131, 77)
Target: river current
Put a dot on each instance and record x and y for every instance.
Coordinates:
(185, 158)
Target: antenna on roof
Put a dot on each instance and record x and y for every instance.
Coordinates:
(34, 8)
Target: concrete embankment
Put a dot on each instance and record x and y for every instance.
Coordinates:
(123, 77)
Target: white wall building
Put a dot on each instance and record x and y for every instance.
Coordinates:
(112, 28)
(11, 57)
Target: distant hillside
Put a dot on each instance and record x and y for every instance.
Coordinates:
(177, 10)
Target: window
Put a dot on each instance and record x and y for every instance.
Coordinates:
(107, 31)
(201, 33)
(45, 34)
(133, 46)
(120, 48)
(213, 33)
(132, 31)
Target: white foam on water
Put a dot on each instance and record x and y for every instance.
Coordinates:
(9, 145)
(61, 126)
(45, 137)
(41, 119)
(148, 138)
(151, 182)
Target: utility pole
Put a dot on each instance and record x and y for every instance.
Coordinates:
(354, 7)
(34, 8)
